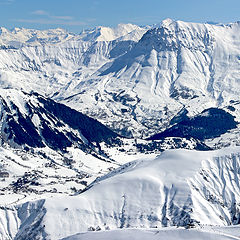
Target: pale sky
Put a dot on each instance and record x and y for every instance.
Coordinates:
(75, 15)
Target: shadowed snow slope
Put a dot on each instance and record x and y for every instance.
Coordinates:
(177, 188)
(210, 123)
(34, 121)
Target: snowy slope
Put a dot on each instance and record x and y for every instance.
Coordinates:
(49, 149)
(177, 188)
(161, 234)
(30, 120)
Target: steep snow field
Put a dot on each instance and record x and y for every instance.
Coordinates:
(177, 188)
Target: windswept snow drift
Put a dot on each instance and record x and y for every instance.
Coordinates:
(177, 188)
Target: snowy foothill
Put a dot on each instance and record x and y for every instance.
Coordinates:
(212, 233)
(181, 188)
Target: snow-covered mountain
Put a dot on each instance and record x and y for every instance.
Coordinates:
(132, 79)
(168, 86)
(48, 148)
(31, 120)
(19, 37)
(177, 188)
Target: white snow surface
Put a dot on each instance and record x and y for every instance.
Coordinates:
(177, 188)
(212, 233)
(121, 32)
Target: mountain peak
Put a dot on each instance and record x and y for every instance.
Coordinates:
(102, 33)
(3, 30)
(166, 22)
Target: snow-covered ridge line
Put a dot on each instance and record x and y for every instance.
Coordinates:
(19, 37)
(177, 188)
(30, 120)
